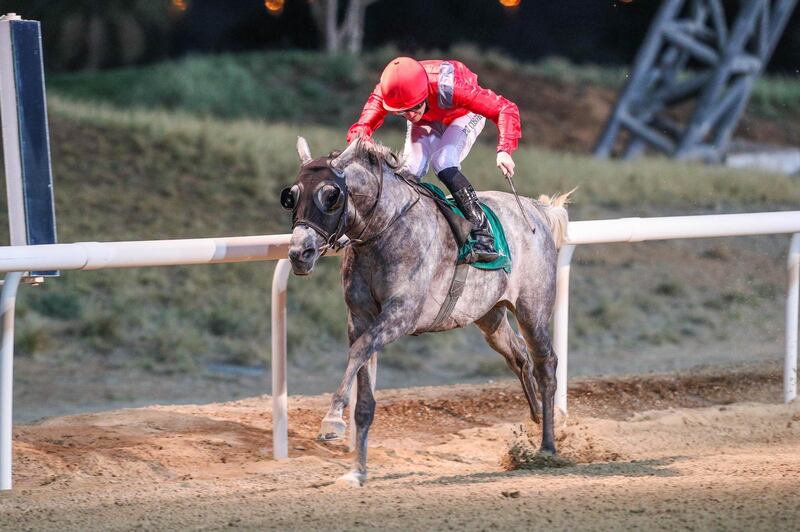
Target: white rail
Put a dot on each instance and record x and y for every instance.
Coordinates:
(669, 228)
(102, 255)
(137, 254)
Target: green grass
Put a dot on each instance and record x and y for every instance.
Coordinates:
(258, 158)
(129, 175)
(311, 87)
(292, 86)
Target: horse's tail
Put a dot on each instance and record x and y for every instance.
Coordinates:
(555, 211)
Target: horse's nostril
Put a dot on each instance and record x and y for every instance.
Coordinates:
(308, 254)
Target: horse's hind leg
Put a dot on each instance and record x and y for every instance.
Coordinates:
(533, 326)
(501, 337)
(365, 412)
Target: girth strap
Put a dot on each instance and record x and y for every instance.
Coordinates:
(456, 289)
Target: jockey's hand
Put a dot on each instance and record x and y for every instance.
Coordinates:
(505, 163)
(359, 132)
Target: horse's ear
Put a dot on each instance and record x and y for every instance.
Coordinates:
(346, 155)
(303, 151)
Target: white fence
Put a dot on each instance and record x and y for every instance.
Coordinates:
(104, 255)
(669, 228)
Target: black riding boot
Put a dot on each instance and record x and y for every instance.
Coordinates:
(483, 249)
(466, 199)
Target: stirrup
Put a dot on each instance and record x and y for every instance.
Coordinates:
(480, 256)
(482, 251)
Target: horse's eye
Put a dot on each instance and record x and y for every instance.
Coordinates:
(329, 198)
(289, 196)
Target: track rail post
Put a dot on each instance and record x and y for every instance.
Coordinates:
(561, 325)
(792, 300)
(280, 415)
(8, 300)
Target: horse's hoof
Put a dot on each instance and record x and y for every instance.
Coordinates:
(332, 429)
(547, 458)
(353, 479)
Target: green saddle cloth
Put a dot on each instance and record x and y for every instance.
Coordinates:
(500, 242)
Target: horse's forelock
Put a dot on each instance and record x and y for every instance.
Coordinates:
(313, 167)
(382, 153)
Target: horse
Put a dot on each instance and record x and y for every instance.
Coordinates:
(398, 263)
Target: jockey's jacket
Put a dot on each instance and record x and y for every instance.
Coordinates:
(453, 91)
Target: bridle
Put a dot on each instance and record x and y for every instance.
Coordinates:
(327, 213)
(339, 210)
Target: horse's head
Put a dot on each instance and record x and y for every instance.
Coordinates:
(318, 201)
(323, 200)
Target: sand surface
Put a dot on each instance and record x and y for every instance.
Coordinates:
(707, 450)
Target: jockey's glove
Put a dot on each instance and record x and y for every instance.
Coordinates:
(505, 163)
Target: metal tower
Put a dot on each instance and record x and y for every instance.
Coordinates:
(694, 60)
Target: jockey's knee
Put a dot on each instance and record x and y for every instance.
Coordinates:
(417, 168)
(445, 157)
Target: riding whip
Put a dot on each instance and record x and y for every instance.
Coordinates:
(514, 190)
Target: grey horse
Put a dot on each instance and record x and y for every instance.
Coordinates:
(397, 271)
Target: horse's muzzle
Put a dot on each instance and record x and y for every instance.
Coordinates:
(303, 260)
(304, 249)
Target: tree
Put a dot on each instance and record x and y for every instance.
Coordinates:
(345, 35)
(92, 34)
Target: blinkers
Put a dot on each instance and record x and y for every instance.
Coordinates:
(318, 199)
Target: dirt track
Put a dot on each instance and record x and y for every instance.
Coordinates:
(691, 451)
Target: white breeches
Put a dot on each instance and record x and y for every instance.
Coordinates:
(442, 146)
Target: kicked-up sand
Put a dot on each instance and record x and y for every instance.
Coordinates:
(710, 450)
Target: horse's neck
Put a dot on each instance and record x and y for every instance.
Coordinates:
(369, 218)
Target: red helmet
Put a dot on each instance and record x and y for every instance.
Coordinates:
(404, 84)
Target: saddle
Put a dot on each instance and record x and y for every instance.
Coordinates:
(461, 231)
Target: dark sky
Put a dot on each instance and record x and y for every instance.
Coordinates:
(584, 31)
(598, 31)
(589, 30)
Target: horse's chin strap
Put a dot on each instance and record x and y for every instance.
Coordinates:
(332, 241)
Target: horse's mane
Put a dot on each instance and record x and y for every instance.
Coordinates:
(383, 154)
(378, 155)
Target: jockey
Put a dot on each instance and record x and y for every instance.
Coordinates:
(446, 109)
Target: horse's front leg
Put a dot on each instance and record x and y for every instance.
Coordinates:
(365, 412)
(395, 320)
